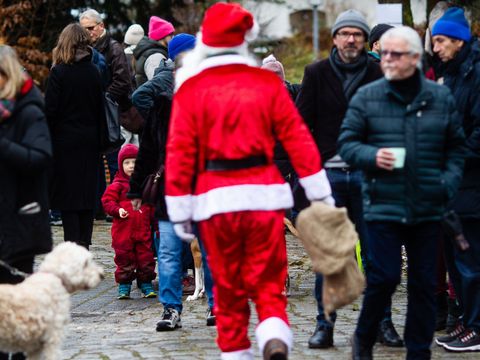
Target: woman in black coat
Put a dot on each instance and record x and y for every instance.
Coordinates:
(25, 155)
(74, 108)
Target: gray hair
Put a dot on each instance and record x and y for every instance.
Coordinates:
(92, 15)
(410, 36)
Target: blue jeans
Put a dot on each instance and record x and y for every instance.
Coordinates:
(170, 269)
(464, 271)
(347, 192)
(385, 240)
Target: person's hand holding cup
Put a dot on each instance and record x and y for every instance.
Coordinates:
(390, 158)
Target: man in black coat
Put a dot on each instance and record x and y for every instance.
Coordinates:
(327, 87)
(460, 57)
(119, 82)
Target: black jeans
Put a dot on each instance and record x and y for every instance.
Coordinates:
(78, 226)
(25, 265)
(464, 271)
(347, 192)
(385, 240)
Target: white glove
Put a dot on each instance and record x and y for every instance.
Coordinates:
(329, 200)
(184, 231)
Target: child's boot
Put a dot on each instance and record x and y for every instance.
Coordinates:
(147, 290)
(124, 291)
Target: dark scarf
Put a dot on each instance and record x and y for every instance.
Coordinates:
(7, 105)
(407, 88)
(453, 66)
(350, 74)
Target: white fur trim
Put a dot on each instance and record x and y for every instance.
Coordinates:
(316, 186)
(253, 32)
(241, 198)
(246, 354)
(273, 328)
(179, 207)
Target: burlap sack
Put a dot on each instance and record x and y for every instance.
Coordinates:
(342, 288)
(328, 236)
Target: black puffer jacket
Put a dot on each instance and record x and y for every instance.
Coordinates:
(462, 76)
(25, 157)
(428, 128)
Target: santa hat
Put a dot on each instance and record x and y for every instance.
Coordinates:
(159, 28)
(272, 64)
(133, 35)
(227, 25)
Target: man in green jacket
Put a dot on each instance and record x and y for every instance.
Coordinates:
(404, 132)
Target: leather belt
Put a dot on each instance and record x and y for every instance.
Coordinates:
(235, 164)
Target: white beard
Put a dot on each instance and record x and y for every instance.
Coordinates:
(191, 62)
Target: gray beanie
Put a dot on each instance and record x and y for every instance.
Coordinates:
(351, 18)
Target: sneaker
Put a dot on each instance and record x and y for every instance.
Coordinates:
(211, 318)
(170, 320)
(451, 336)
(469, 340)
(124, 291)
(147, 290)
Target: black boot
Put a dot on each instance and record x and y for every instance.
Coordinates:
(359, 351)
(322, 337)
(453, 315)
(387, 334)
(442, 311)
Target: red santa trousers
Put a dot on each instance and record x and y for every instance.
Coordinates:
(247, 255)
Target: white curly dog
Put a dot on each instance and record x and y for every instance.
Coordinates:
(34, 313)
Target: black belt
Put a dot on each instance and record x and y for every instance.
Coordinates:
(235, 164)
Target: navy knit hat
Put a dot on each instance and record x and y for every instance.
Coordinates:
(453, 24)
(351, 18)
(377, 32)
(180, 43)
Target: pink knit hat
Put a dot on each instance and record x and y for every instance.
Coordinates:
(159, 28)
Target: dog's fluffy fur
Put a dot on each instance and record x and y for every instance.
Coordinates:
(34, 313)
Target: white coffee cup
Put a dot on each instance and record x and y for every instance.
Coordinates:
(399, 153)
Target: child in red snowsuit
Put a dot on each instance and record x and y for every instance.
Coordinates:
(131, 235)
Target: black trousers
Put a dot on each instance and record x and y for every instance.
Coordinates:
(78, 226)
(25, 265)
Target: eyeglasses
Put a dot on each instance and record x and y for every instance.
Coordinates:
(395, 55)
(344, 35)
(90, 28)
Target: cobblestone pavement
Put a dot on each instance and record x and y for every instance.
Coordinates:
(105, 328)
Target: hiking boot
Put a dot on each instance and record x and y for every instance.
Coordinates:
(469, 340)
(387, 335)
(147, 290)
(275, 349)
(211, 318)
(124, 291)
(170, 320)
(451, 336)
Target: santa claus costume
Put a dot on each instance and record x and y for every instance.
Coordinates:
(220, 173)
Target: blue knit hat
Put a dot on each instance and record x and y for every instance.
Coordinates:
(453, 24)
(180, 43)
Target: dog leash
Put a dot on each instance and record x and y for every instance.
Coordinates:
(13, 271)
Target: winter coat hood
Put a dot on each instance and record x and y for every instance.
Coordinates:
(129, 151)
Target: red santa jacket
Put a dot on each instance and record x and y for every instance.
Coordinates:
(230, 110)
(137, 225)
